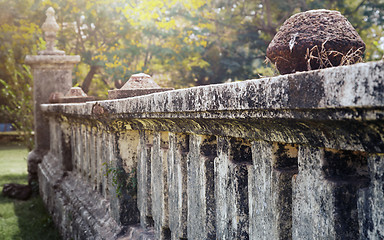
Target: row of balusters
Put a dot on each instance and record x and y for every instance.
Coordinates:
(212, 187)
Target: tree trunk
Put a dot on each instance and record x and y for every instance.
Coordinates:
(88, 79)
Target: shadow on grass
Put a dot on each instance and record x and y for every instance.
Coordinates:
(13, 178)
(28, 220)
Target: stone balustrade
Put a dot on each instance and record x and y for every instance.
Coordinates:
(297, 156)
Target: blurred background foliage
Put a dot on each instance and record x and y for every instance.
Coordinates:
(181, 43)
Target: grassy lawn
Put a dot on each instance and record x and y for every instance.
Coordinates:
(21, 219)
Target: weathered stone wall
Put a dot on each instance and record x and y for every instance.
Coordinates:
(291, 157)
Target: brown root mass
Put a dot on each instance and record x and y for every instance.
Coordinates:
(315, 39)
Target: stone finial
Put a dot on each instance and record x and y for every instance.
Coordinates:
(50, 28)
(137, 85)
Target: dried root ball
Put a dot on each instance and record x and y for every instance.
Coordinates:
(315, 39)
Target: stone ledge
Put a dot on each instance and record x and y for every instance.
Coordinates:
(126, 93)
(356, 86)
(51, 59)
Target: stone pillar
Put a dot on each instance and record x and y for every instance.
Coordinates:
(200, 187)
(144, 194)
(325, 193)
(177, 183)
(233, 169)
(370, 202)
(52, 72)
(270, 190)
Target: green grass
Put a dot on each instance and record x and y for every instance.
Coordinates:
(26, 220)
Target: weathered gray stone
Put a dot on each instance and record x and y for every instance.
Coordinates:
(370, 202)
(159, 184)
(52, 72)
(200, 188)
(99, 161)
(223, 202)
(74, 95)
(144, 198)
(138, 233)
(340, 94)
(325, 194)
(79, 214)
(271, 190)
(177, 183)
(220, 162)
(196, 226)
(137, 85)
(50, 28)
(123, 200)
(231, 188)
(78, 147)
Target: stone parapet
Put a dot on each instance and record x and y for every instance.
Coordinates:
(297, 156)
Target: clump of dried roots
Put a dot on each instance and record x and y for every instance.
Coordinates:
(322, 58)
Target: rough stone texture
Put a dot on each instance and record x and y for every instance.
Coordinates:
(334, 99)
(370, 202)
(177, 179)
(301, 32)
(200, 192)
(231, 189)
(74, 95)
(50, 74)
(75, 163)
(223, 202)
(159, 184)
(144, 179)
(325, 194)
(140, 81)
(271, 190)
(137, 85)
(291, 157)
(138, 233)
(50, 28)
(79, 214)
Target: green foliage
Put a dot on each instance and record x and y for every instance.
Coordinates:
(123, 181)
(19, 107)
(19, 35)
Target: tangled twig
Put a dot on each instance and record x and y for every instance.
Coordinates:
(323, 56)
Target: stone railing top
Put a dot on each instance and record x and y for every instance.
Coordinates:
(353, 87)
(337, 108)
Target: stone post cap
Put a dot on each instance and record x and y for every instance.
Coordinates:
(139, 81)
(74, 95)
(50, 28)
(137, 85)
